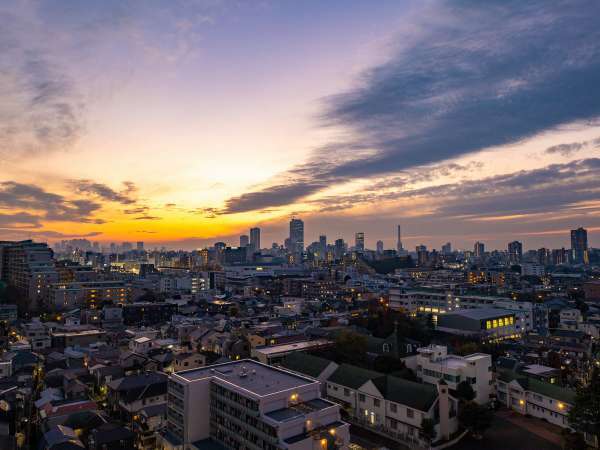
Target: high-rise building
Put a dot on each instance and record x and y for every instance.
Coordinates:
(323, 242)
(29, 267)
(380, 247)
(447, 248)
(339, 248)
(139, 245)
(255, 239)
(579, 246)
(244, 240)
(268, 407)
(515, 252)
(422, 255)
(399, 243)
(359, 241)
(296, 242)
(479, 249)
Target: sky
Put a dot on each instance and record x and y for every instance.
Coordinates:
(183, 122)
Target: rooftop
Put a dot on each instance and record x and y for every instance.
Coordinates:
(254, 377)
(296, 346)
(480, 313)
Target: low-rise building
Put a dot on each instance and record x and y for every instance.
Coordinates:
(487, 324)
(434, 363)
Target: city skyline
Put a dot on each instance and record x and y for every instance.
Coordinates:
(193, 122)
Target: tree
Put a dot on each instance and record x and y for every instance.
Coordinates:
(584, 416)
(464, 391)
(351, 348)
(428, 430)
(475, 418)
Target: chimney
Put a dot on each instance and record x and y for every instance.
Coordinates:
(444, 409)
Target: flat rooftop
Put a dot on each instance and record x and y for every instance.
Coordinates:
(254, 377)
(292, 347)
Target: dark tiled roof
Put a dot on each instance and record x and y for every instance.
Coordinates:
(352, 376)
(414, 395)
(305, 364)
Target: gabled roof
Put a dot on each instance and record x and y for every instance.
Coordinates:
(305, 364)
(548, 390)
(414, 395)
(352, 376)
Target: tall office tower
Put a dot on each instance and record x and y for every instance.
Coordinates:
(244, 240)
(380, 247)
(296, 242)
(447, 248)
(113, 247)
(479, 249)
(544, 256)
(399, 243)
(359, 241)
(515, 252)
(255, 239)
(248, 405)
(560, 256)
(579, 246)
(339, 248)
(323, 242)
(139, 246)
(126, 246)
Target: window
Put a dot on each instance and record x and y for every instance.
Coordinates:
(346, 392)
(393, 407)
(376, 402)
(361, 397)
(410, 413)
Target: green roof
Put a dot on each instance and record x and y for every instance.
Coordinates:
(305, 364)
(548, 390)
(352, 376)
(414, 395)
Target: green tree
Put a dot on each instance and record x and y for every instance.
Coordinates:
(351, 348)
(428, 433)
(464, 391)
(584, 416)
(475, 418)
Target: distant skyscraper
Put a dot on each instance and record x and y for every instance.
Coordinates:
(447, 248)
(323, 243)
(380, 247)
(479, 249)
(255, 239)
(359, 241)
(399, 243)
(139, 246)
(515, 252)
(339, 248)
(579, 246)
(296, 242)
(244, 240)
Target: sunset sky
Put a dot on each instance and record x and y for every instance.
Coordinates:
(183, 122)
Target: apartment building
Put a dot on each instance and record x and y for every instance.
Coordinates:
(536, 398)
(392, 406)
(528, 316)
(434, 363)
(247, 404)
(90, 294)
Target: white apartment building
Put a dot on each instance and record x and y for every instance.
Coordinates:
(391, 406)
(434, 363)
(246, 404)
(536, 398)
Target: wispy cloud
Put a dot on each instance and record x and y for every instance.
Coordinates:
(466, 75)
(104, 192)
